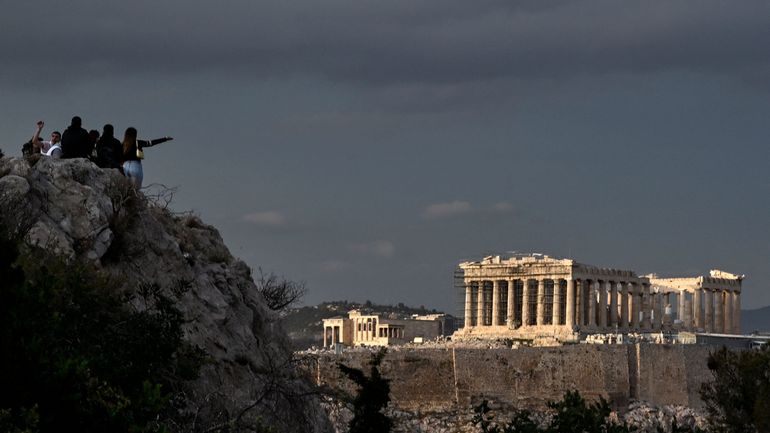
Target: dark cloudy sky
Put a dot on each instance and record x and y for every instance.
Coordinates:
(366, 147)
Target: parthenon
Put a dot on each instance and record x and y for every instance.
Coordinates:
(533, 295)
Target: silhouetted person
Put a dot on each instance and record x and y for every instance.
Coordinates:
(109, 150)
(133, 154)
(75, 143)
(93, 138)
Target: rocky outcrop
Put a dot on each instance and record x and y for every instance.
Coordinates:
(640, 417)
(79, 211)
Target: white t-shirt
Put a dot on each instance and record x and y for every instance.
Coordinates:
(45, 146)
(48, 148)
(54, 151)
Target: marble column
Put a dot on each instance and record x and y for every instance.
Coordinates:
(509, 314)
(495, 302)
(623, 305)
(708, 296)
(635, 307)
(680, 308)
(697, 301)
(592, 303)
(468, 305)
(325, 345)
(719, 311)
(480, 304)
(657, 311)
(557, 301)
(688, 314)
(525, 303)
(579, 302)
(334, 335)
(540, 302)
(613, 304)
(646, 307)
(737, 312)
(602, 287)
(570, 310)
(728, 316)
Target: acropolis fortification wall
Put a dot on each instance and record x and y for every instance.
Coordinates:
(442, 380)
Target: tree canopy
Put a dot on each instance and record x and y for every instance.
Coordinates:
(75, 357)
(738, 397)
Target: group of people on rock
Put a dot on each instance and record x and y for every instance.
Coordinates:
(103, 149)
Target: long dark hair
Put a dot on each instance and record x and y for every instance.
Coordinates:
(129, 140)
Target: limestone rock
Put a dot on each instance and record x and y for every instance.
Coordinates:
(13, 186)
(82, 212)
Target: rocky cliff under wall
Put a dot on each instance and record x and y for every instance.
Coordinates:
(454, 379)
(77, 210)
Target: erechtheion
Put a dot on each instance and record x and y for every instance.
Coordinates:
(529, 296)
(362, 329)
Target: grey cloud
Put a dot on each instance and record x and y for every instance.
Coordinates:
(333, 265)
(459, 207)
(382, 43)
(444, 210)
(379, 248)
(266, 218)
(503, 207)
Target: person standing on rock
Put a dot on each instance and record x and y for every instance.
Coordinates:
(133, 154)
(109, 150)
(93, 138)
(75, 142)
(49, 148)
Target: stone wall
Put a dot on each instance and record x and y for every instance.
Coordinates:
(442, 380)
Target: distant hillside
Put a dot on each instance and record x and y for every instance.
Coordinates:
(304, 324)
(755, 320)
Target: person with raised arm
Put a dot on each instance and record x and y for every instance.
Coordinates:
(133, 153)
(49, 148)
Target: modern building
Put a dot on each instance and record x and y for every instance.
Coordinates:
(533, 296)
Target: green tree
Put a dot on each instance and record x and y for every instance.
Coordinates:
(738, 397)
(570, 415)
(521, 421)
(373, 396)
(574, 415)
(73, 357)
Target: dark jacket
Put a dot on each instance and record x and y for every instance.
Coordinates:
(109, 151)
(130, 153)
(75, 143)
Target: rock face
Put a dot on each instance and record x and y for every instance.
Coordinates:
(77, 210)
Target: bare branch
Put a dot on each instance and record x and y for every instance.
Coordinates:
(160, 195)
(278, 292)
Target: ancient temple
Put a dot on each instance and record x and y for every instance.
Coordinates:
(373, 329)
(530, 296)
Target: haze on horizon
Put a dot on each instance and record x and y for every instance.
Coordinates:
(368, 147)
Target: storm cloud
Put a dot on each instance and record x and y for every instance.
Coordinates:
(367, 147)
(382, 44)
